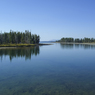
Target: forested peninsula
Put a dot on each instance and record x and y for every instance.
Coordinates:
(18, 39)
(77, 40)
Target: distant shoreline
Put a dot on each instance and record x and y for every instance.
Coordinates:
(75, 43)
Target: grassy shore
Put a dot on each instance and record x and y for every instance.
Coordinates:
(21, 45)
(17, 45)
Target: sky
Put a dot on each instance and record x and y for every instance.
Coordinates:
(51, 19)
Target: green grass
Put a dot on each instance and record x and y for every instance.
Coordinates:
(17, 45)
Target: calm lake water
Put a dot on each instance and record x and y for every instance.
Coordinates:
(48, 70)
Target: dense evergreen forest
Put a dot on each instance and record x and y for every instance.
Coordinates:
(19, 37)
(77, 40)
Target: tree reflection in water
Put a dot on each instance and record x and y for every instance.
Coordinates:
(71, 46)
(26, 52)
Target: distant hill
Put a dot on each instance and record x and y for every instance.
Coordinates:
(46, 41)
(54, 40)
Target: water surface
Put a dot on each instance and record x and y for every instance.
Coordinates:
(59, 69)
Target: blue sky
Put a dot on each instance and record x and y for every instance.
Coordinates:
(51, 19)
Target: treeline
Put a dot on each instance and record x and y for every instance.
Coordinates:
(77, 40)
(19, 37)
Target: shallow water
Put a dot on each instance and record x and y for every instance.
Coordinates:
(48, 70)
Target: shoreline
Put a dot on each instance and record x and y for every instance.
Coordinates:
(75, 43)
(7, 46)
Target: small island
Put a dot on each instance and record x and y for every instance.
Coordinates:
(19, 39)
(85, 40)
